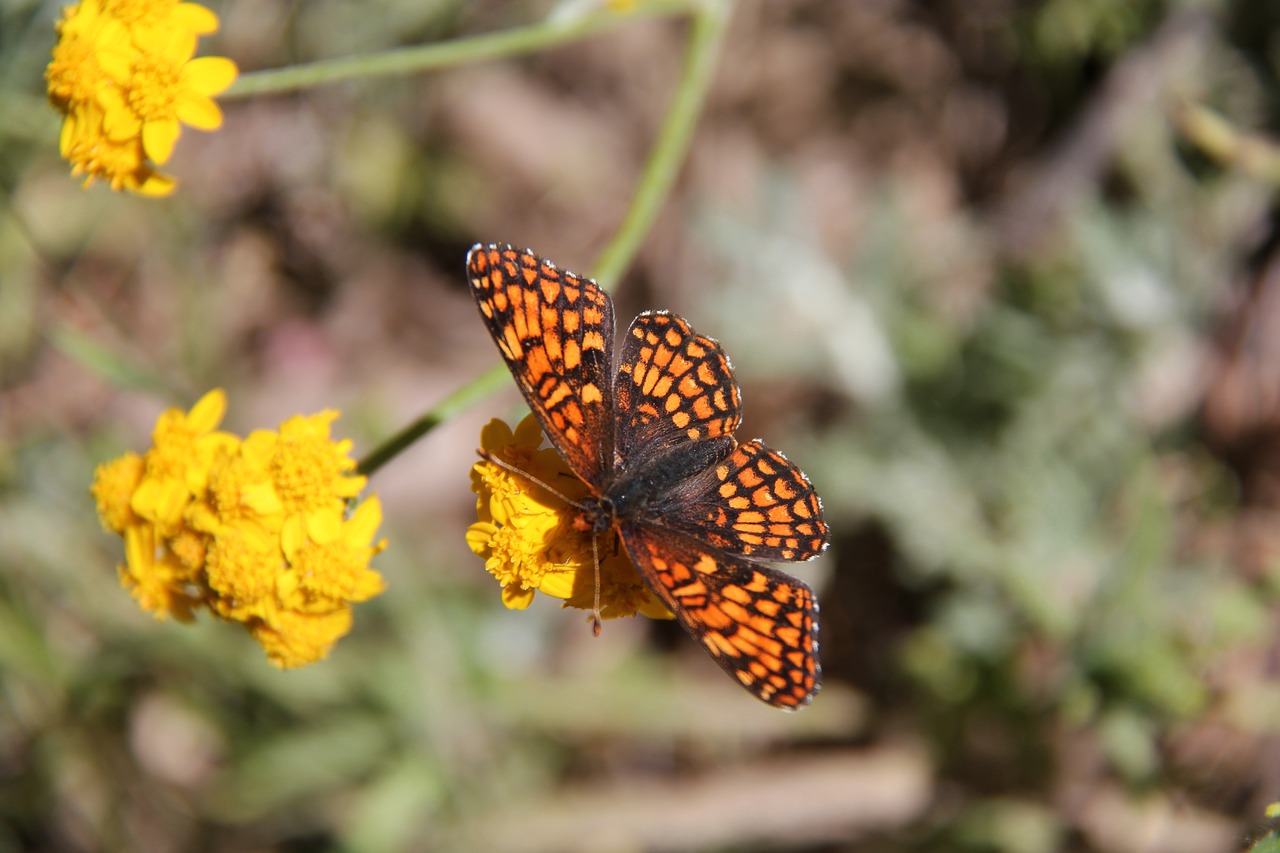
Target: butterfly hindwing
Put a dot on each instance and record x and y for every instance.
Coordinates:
(754, 503)
(759, 624)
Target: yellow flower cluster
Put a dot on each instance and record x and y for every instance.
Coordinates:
(123, 75)
(253, 529)
(526, 534)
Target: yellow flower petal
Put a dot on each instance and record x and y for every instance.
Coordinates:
(293, 535)
(197, 111)
(113, 486)
(528, 433)
(296, 639)
(560, 582)
(159, 137)
(209, 75)
(324, 525)
(194, 17)
(363, 525)
(208, 412)
(516, 598)
(161, 501)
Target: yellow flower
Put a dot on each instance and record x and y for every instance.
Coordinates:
(296, 639)
(124, 75)
(254, 530)
(527, 535)
(84, 143)
(113, 486)
(239, 492)
(241, 568)
(177, 466)
(162, 585)
(87, 40)
(330, 566)
(310, 471)
(161, 92)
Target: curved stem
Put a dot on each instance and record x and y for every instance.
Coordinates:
(672, 144)
(484, 384)
(411, 60)
(669, 150)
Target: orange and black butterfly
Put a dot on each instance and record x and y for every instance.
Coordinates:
(652, 437)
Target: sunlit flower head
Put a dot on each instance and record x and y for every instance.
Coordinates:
(528, 538)
(123, 74)
(255, 530)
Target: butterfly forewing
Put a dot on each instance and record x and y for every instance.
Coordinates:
(673, 386)
(758, 623)
(555, 331)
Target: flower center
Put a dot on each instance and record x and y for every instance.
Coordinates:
(73, 74)
(303, 470)
(153, 87)
(134, 12)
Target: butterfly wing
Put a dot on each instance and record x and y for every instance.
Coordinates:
(673, 386)
(758, 623)
(555, 331)
(755, 503)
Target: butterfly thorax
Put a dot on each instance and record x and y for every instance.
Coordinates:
(648, 491)
(596, 515)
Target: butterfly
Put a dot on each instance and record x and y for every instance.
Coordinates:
(652, 438)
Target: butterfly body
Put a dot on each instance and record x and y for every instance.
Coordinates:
(652, 438)
(655, 489)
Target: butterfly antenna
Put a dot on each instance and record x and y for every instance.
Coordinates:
(595, 548)
(507, 466)
(595, 610)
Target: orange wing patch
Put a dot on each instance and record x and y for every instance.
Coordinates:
(756, 503)
(758, 623)
(554, 331)
(673, 386)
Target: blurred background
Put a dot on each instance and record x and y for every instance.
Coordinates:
(1002, 276)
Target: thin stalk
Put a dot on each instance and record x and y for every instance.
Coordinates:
(672, 144)
(655, 182)
(483, 385)
(419, 58)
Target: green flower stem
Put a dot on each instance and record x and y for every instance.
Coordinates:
(709, 24)
(483, 385)
(412, 60)
(672, 145)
